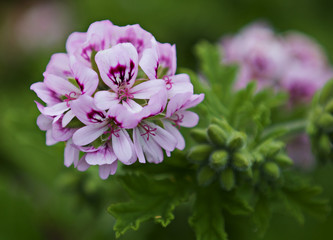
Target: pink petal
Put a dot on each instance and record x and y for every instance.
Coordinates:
(59, 66)
(108, 169)
(147, 89)
(59, 85)
(118, 65)
(44, 122)
(163, 138)
(177, 102)
(123, 117)
(137, 145)
(75, 41)
(123, 146)
(49, 138)
(56, 109)
(88, 134)
(82, 165)
(189, 119)
(134, 34)
(71, 153)
(61, 134)
(132, 106)
(179, 84)
(86, 111)
(167, 57)
(149, 63)
(44, 93)
(175, 132)
(86, 78)
(68, 116)
(104, 155)
(105, 100)
(194, 100)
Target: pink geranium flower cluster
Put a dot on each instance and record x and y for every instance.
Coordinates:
(292, 62)
(114, 96)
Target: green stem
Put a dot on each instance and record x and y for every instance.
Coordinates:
(290, 128)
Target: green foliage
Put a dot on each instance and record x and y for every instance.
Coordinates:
(320, 126)
(207, 219)
(150, 199)
(238, 165)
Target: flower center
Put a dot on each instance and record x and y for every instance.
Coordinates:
(113, 131)
(168, 82)
(178, 120)
(69, 97)
(124, 94)
(148, 131)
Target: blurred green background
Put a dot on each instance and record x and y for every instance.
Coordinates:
(42, 199)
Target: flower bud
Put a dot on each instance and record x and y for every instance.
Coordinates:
(326, 121)
(270, 149)
(199, 135)
(227, 179)
(219, 159)
(199, 153)
(241, 161)
(217, 135)
(329, 106)
(222, 123)
(283, 160)
(237, 141)
(205, 176)
(272, 170)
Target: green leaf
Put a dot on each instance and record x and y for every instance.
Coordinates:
(262, 215)
(150, 199)
(300, 197)
(235, 204)
(207, 219)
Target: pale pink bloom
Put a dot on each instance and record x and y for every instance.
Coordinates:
(95, 86)
(118, 68)
(105, 125)
(177, 115)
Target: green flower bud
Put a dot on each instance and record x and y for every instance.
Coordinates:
(199, 135)
(283, 160)
(326, 121)
(241, 161)
(329, 106)
(325, 145)
(272, 170)
(271, 148)
(199, 153)
(227, 179)
(222, 123)
(237, 140)
(219, 159)
(205, 176)
(217, 135)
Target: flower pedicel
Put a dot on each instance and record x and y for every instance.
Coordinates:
(115, 97)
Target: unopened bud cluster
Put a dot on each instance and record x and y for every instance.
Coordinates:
(222, 154)
(320, 127)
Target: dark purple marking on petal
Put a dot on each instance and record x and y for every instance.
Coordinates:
(137, 43)
(96, 116)
(156, 68)
(118, 76)
(81, 86)
(86, 52)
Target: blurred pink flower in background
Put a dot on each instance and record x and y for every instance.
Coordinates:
(299, 149)
(41, 25)
(291, 62)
